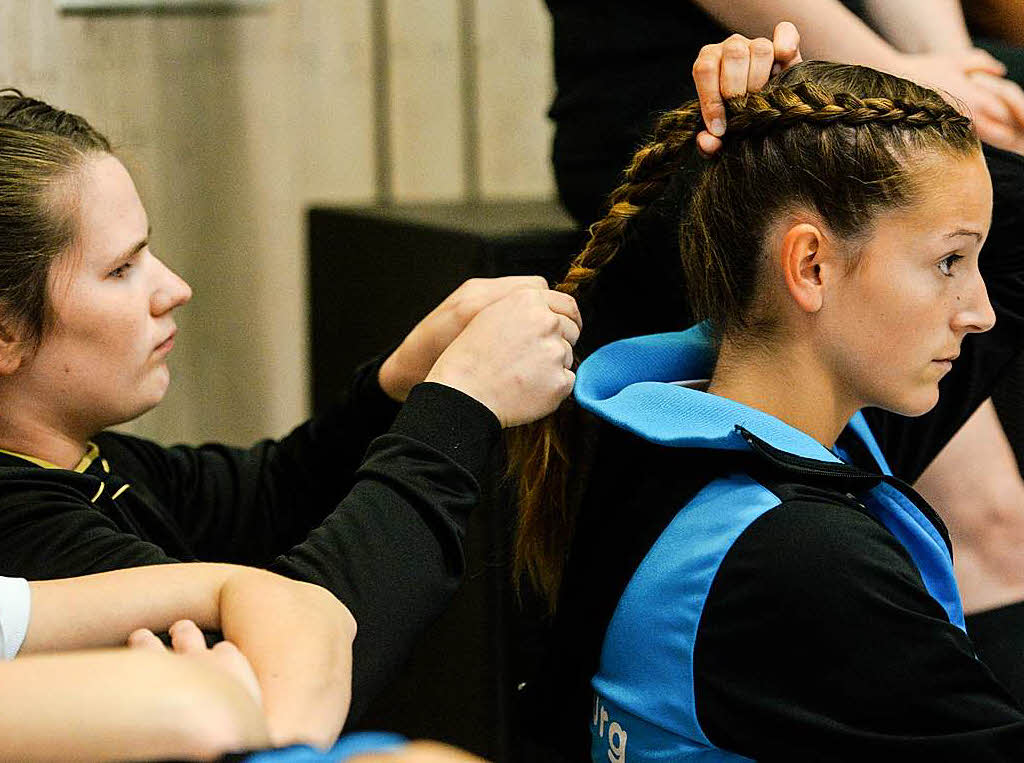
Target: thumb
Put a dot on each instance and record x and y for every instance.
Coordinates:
(786, 40)
(978, 60)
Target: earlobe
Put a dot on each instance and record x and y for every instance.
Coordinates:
(800, 256)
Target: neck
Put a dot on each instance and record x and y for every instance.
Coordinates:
(791, 385)
(26, 430)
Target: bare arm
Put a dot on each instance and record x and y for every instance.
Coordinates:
(122, 705)
(828, 29)
(921, 26)
(297, 636)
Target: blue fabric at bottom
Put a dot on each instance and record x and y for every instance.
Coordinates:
(346, 747)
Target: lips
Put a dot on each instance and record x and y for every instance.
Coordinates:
(166, 344)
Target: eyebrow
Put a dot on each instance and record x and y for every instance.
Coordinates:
(135, 248)
(963, 232)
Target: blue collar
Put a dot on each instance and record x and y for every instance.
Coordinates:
(630, 384)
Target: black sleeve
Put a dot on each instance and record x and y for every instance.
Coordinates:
(819, 641)
(910, 444)
(392, 550)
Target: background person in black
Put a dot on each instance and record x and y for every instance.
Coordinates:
(618, 65)
(368, 500)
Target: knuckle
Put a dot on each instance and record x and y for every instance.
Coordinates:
(704, 66)
(468, 285)
(762, 47)
(735, 49)
(463, 309)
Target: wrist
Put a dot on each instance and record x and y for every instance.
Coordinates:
(468, 385)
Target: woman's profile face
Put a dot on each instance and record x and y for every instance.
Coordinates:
(105, 360)
(893, 325)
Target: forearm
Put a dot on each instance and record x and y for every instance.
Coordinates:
(828, 29)
(298, 639)
(122, 705)
(921, 26)
(103, 609)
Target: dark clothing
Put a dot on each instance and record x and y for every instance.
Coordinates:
(788, 601)
(635, 488)
(375, 515)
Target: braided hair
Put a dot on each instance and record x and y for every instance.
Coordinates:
(833, 139)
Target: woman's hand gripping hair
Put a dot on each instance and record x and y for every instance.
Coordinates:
(410, 363)
(515, 354)
(735, 67)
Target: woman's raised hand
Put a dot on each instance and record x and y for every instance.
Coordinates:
(408, 365)
(515, 354)
(973, 81)
(737, 66)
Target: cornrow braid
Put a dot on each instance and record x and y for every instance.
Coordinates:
(783, 107)
(831, 137)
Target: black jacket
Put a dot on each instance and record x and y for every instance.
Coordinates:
(370, 506)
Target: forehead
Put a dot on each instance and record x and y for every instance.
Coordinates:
(954, 192)
(111, 217)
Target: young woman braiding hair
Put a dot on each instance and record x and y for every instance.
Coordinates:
(744, 576)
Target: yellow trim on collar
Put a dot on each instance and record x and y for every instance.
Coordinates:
(91, 455)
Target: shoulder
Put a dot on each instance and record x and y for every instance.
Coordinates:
(739, 557)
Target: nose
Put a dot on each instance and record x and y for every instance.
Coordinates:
(172, 291)
(975, 313)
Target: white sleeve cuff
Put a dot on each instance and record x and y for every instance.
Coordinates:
(15, 609)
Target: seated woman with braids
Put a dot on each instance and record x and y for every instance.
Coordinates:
(743, 576)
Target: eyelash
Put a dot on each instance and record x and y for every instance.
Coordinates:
(121, 270)
(947, 263)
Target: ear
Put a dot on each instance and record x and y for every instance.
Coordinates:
(801, 254)
(12, 351)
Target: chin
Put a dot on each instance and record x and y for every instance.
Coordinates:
(916, 405)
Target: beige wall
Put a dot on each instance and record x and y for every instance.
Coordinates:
(233, 123)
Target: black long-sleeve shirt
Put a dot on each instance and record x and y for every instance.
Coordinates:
(370, 505)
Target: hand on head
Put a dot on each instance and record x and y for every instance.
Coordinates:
(506, 342)
(973, 81)
(735, 67)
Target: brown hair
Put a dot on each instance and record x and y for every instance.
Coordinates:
(41, 151)
(830, 138)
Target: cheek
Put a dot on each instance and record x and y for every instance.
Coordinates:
(109, 338)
